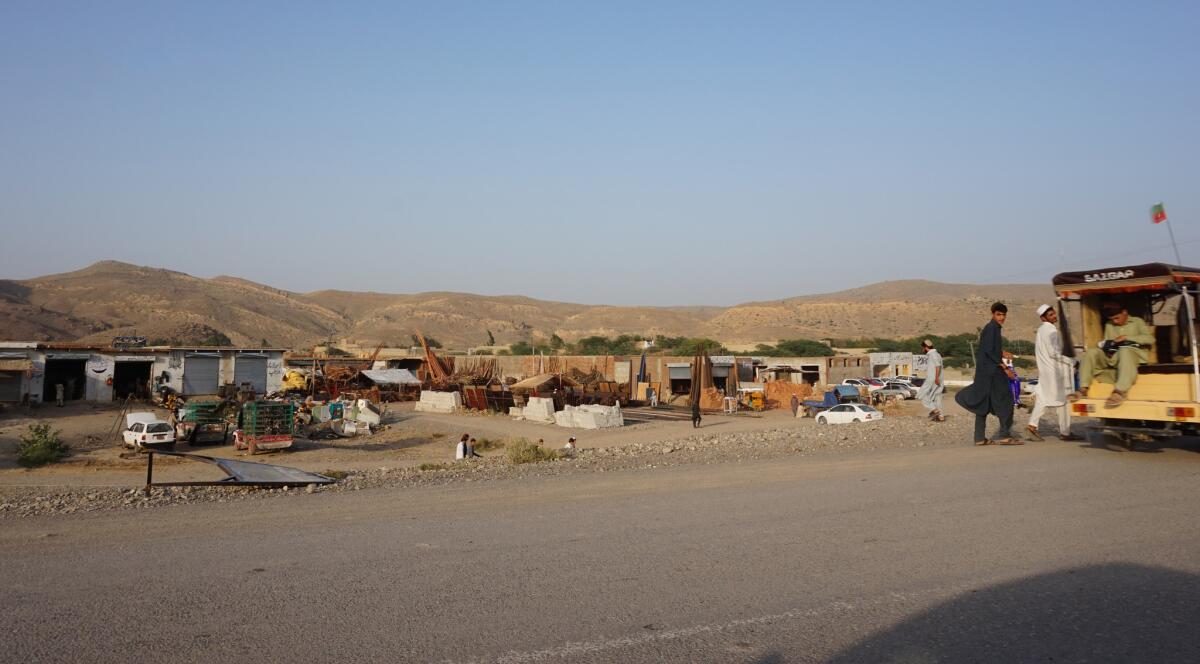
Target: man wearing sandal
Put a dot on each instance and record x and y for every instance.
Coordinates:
(989, 392)
(1126, 344)
(934, 386)
(1055, 377)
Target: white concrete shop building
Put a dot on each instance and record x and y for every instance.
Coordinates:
(93, 373)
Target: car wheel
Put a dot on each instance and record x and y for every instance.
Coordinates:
(822, 420)
(857, 420)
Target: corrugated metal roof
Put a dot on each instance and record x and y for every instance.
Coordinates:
(392, 376)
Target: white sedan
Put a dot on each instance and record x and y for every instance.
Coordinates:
(849, 412)
(146, 430)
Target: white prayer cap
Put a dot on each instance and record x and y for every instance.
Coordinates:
(1043, 309)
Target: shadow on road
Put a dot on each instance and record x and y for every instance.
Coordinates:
(1110, 443)
(1105, 613)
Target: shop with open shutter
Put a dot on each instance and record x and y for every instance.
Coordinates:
(681, 377)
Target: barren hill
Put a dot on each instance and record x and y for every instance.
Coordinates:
(111, 298)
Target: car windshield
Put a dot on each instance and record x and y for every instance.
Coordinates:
(161, 427)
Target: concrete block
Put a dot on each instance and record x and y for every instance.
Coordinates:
(439, 402)
(590, 417)
(540, 409)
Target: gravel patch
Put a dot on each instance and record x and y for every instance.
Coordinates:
(707, 446)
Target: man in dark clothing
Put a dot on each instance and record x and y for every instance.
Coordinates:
(696, 413)
(989, 393)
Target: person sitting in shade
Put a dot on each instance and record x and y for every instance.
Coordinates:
(569, 449)
(1127, 340)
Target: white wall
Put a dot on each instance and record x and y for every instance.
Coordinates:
(98, 370)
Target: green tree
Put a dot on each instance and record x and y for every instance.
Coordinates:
(216, 339)
(556, 342)
(692, 346)
(520, 348)
(433, 343)
(802, 348)
(594, 345)
(491, 338)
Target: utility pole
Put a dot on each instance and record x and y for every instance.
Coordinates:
(971, 344)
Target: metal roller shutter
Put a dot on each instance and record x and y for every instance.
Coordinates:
(10, 385)
(680, 373)
(251, 369)
(201, 374)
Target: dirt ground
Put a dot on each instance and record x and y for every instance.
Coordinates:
(409, 439)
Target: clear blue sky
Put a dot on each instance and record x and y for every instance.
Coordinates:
(627, 153)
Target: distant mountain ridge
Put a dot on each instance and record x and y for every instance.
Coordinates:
(112, 298)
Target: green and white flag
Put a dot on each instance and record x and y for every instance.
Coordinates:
(1158, 214)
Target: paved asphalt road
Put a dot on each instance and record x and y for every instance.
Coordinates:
(1049, 552)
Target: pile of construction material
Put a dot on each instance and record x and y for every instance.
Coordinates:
(589, 417)
(779, 393)
(439, 402)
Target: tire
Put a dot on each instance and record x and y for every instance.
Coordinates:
(857, 420)
(822, 420)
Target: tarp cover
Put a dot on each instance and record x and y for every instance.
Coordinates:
(262, 474)
(539, 380)
(391, 377)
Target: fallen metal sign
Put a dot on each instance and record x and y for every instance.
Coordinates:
(241, 473)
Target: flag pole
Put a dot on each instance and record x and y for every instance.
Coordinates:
(1178, 260)
(1158, 213)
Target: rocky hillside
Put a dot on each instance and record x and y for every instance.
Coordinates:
(110, 298)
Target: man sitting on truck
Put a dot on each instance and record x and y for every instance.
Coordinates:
(1127, 340)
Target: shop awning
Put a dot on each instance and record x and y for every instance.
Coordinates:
(1151, 276)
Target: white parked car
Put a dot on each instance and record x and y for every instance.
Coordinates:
(872, 384)
(906, 389)
(147, 430)
(849, 412)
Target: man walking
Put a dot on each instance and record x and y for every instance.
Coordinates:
(58, 394)
(934, 386)
(1055, 372)
(989, 393)
(696, 412)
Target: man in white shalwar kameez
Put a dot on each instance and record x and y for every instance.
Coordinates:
(1056, 377)
(934, 386)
